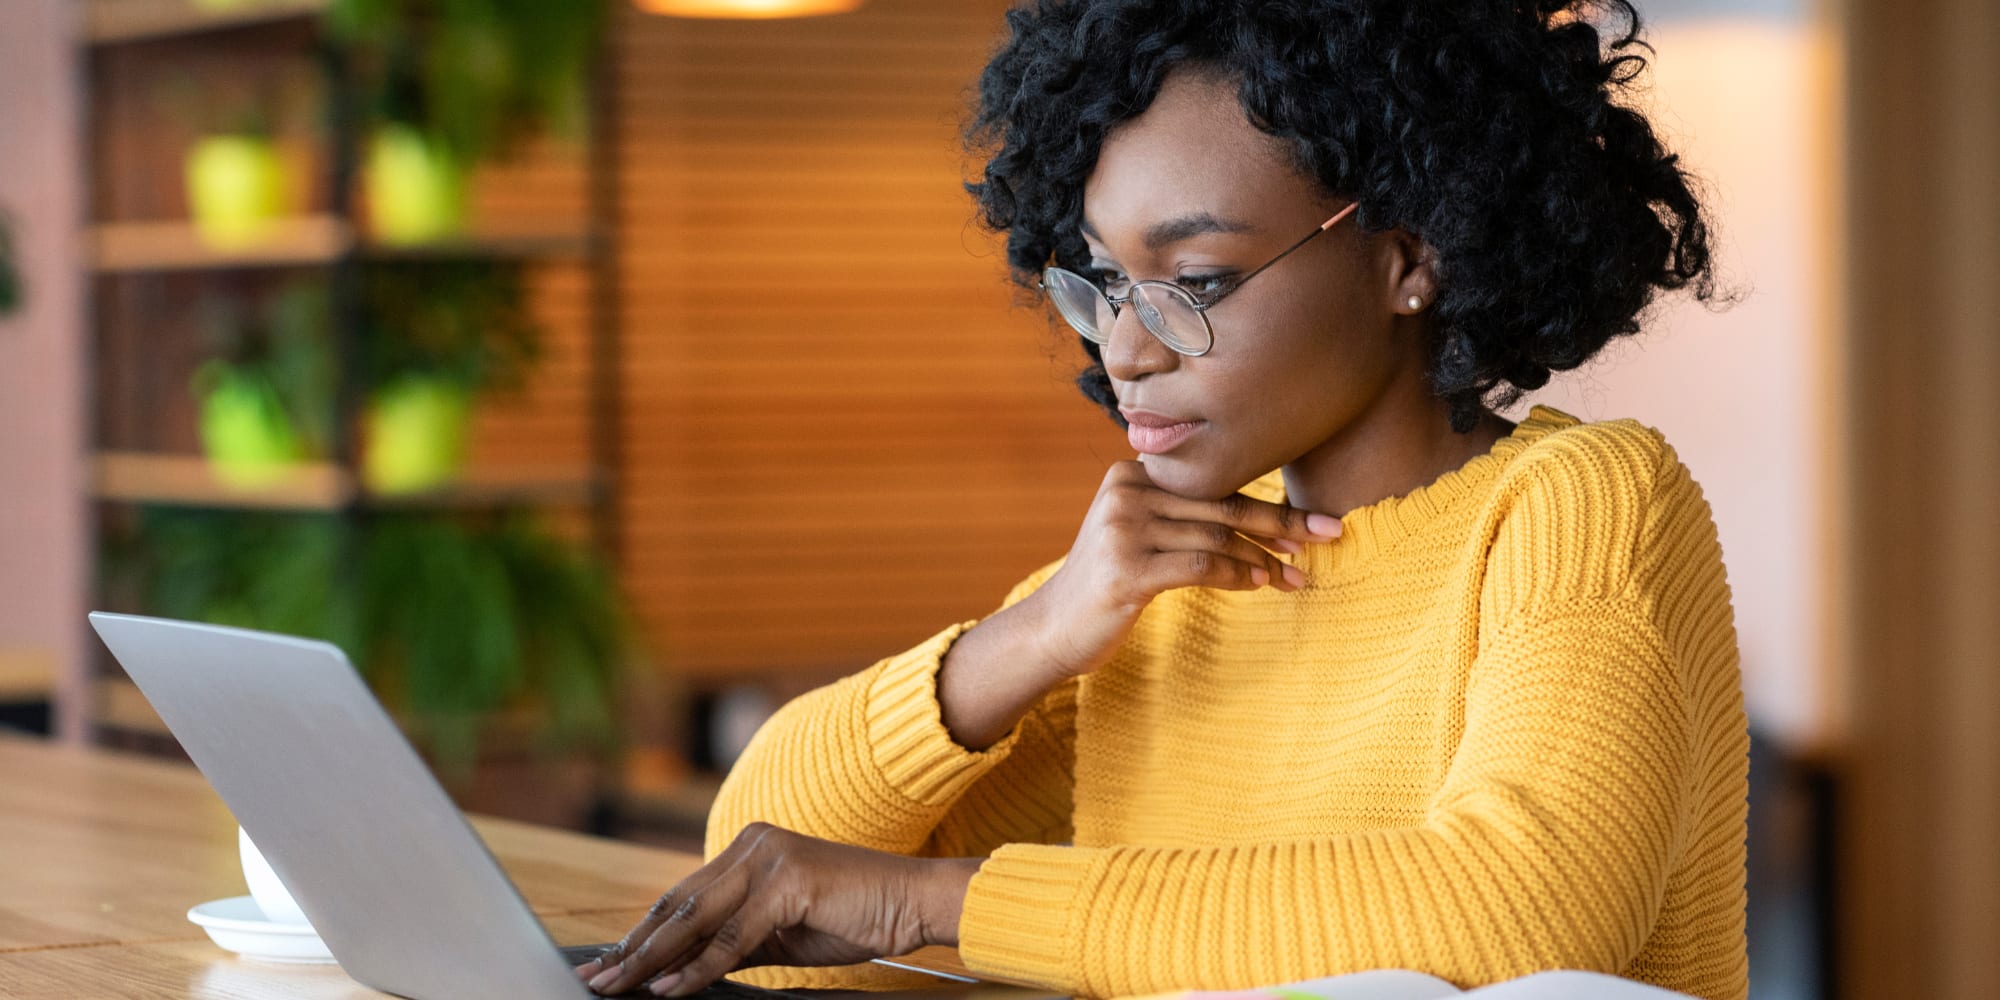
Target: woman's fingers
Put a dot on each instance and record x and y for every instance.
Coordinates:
(692, 905)
(678, 938)
(775, 895)
(1187, 536)
(1201, 568)
(1284, 545)
(667, 940)
(737, 937)
(1252, 516)
(662, 909)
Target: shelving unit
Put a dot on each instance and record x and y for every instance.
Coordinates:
(112, 21)
(310, 241)
(189, 481)
(141, 251)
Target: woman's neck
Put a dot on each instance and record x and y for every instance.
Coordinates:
(1396, 446)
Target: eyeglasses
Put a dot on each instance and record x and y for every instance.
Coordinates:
(1168, 311)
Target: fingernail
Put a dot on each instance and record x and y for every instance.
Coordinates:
(1323, 526)
(587, 970)
(1259, 575)
(604, 978)
(664, 983)
(1295, 576)
(1287, 545)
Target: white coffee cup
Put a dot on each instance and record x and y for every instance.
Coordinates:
(265, 888)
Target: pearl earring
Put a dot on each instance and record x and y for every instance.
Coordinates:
(1416, 302)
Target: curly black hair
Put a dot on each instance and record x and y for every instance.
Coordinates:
(1491, 129)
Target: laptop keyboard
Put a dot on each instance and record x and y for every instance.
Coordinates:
(721, 989)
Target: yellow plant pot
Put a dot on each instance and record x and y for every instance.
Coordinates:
(416, 189)
(245, 432)
(415, 436)
(235, 188)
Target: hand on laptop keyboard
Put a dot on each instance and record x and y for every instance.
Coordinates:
(775, 897)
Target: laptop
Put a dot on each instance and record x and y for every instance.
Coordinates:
(399, 886)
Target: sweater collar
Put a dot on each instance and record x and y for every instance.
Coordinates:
(1368, 530)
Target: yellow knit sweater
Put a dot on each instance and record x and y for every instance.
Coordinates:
(1500, 730)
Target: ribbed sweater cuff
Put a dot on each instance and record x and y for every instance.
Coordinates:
(1019, 914)
(912, 748)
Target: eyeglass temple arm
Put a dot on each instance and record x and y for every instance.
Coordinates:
(1323, 227)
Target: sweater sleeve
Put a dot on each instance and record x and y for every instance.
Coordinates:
(867, 761)
(1548, 845)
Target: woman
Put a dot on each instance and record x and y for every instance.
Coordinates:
(1344, 671)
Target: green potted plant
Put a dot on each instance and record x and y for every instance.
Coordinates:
(478, 76)
(452, 84)
(439, 334)
(265, 397)
(416, 187)
(238, 180)
(466, 618)
(236, 188)
(451, 618)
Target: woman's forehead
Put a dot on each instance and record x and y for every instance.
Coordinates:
(1191, 162)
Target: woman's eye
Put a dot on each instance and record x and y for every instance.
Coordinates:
(1105, 278)
(1206, 286)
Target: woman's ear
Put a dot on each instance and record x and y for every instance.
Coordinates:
(1412, 274)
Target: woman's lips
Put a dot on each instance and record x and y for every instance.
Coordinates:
(1159, 440)
(1153, 434)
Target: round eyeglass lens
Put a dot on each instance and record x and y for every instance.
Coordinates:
(1170, 313)
(1080, 302)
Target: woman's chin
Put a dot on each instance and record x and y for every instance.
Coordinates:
(1188, 479)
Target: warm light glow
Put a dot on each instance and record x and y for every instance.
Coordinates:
(746, 8)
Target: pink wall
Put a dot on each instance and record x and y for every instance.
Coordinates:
(43, 536)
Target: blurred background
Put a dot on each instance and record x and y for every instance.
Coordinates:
(602, 373)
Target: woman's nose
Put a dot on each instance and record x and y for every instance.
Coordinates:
(1131, 351)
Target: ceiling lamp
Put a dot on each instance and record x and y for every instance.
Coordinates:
(746, 8)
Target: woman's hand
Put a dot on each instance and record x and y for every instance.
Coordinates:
(775, 897)
(1139, 541)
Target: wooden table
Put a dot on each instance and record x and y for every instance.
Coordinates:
(101, 854)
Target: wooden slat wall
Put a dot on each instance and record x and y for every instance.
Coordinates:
(840, 433)
(546, 422)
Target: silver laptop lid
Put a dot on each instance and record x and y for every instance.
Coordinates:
(403, 892)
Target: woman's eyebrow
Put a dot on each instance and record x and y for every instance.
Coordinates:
(1174, 230)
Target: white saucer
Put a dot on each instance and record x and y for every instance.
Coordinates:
(238, 925)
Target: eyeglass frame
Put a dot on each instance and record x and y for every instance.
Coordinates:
(1194, 301)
